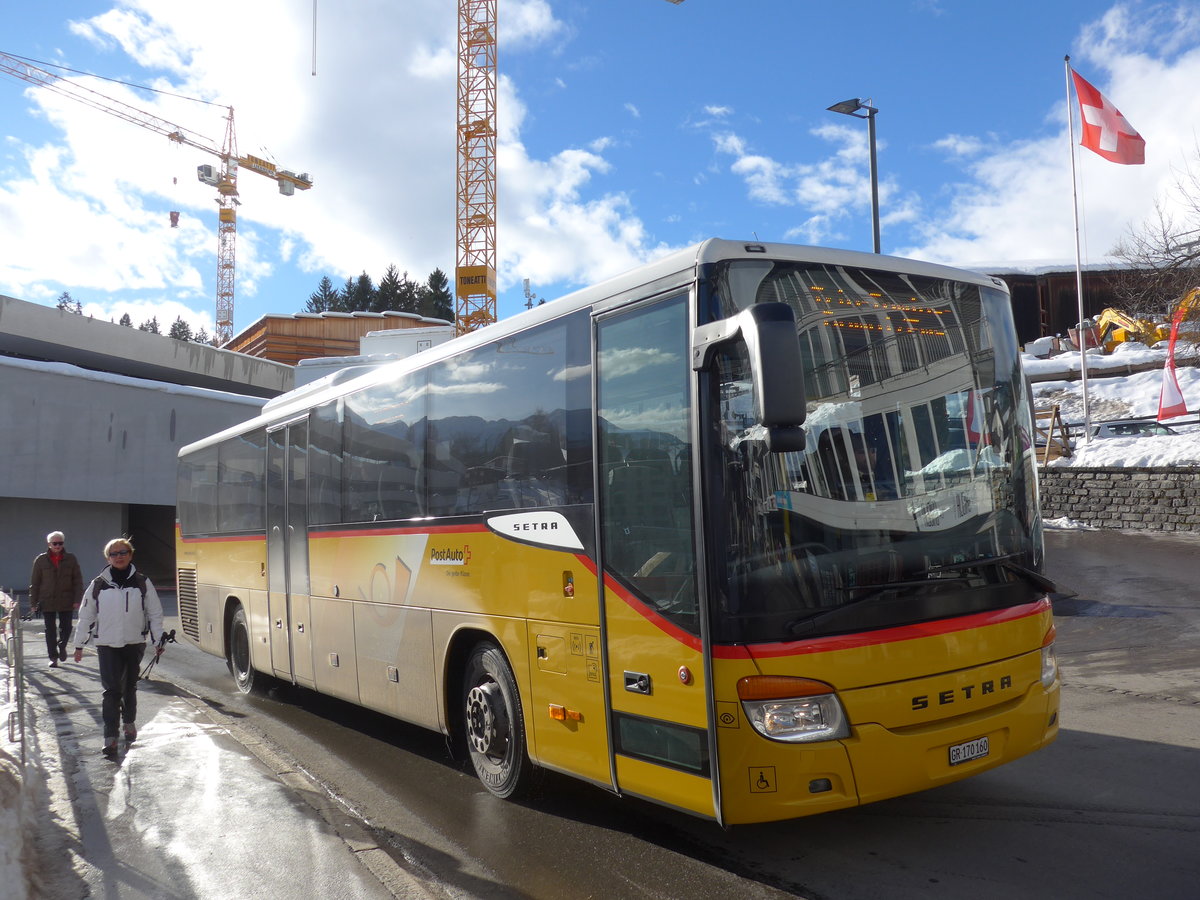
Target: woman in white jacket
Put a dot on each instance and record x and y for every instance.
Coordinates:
(120, 608)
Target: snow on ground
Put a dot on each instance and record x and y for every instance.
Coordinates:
(1121, 397)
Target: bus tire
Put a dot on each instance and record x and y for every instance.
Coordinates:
(237, 655)
(493, 724)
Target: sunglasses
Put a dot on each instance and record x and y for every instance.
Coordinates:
(119, 553)
(56, 543)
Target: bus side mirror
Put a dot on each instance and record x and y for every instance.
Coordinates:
(773, 346)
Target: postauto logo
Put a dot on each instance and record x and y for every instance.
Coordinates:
(450, 556)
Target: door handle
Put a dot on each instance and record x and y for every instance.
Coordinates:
(637, 682)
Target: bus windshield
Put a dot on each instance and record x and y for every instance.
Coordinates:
(915, 497)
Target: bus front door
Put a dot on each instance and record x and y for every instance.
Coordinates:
(658, 682)
(287, 552)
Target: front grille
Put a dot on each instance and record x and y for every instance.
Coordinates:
(189, 616)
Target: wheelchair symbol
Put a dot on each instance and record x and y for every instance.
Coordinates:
(762, 780)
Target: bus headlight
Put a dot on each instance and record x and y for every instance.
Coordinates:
(792, 709)
(1049, 659)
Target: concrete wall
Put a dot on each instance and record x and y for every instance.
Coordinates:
(93, 455)
(24, 525)
(83, 436)
(1158, 499)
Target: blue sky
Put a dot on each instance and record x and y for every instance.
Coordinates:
(628, 128)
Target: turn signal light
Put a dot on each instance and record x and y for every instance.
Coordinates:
(774, 687)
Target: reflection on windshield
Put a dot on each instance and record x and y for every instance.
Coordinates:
(917, 454)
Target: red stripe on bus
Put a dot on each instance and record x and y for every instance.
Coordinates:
(659, 622)
(221, 538)
(384, 532)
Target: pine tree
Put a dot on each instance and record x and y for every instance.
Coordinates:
(345, 297)
(324, 298)
(126, 321)
(150, 326)
(180, 330)
(364, 294)
(435, 299)
(387, 295)
(201, 336)
(68, 304)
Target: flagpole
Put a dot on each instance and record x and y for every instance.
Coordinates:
(1080, 331)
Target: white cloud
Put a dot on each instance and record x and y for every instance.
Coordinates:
(375, 128)
(959, 145)
(828, 192)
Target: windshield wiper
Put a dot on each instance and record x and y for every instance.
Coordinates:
(810, 622)
(937, 574)
(1007, 561)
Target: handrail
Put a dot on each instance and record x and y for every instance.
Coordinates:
(10, 627)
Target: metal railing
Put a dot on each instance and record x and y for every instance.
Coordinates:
(13, 669)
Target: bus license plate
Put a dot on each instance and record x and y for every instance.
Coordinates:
(965, 752)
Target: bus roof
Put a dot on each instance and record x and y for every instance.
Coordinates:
(674, 265)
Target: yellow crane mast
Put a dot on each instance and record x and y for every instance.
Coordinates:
(475, 222)
(224, 178)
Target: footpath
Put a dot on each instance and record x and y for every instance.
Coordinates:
(194, 808)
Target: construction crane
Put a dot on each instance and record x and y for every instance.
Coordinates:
(475, 222)
(223, 178)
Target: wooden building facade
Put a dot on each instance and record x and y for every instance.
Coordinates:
(291, 338)
(1044, 301)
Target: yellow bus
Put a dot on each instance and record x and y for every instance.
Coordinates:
(751, 531)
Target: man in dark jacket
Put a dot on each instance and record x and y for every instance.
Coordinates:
(55, 589)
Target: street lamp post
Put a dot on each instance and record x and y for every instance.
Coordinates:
(851, 108)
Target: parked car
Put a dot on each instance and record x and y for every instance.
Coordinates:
(1131, 428)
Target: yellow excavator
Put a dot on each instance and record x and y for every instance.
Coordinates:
(1116, 327)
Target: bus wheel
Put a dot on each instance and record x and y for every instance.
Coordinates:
(237, 653)
(494, 725)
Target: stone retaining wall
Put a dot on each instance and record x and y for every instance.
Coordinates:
(1159, 499)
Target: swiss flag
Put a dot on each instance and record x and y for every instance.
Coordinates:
(1105, 131)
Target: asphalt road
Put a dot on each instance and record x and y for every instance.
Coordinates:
(1112, 809)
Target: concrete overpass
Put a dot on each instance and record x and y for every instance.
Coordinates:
(44, 333)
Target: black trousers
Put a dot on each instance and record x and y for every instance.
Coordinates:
(119, 671)
(58, 632)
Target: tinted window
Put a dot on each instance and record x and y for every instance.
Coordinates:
(197, 492)
(381, 456)
(325, 464)
(509, 425)
(241, 489)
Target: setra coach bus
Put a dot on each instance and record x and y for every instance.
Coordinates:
(751, 531)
